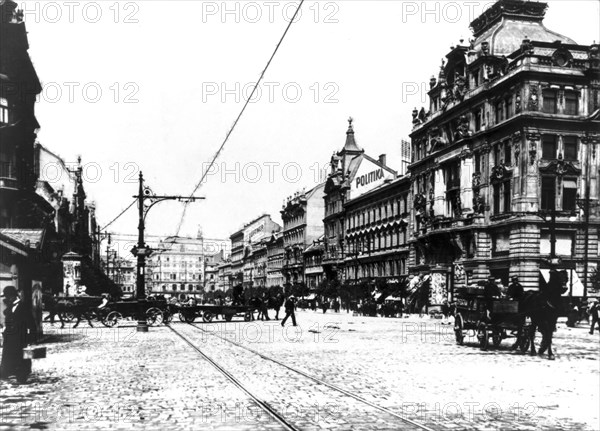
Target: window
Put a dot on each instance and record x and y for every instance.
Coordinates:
(497, 152)
(569, 202)
(571, 103)
(549, 147)
(507, 196)
(570, 147)
(499, 112)
(507, 154)
(548, 193)
(509, 107)
(549, 97)
(478, 118)
(476, 78)
(3, 110)
(496, 198)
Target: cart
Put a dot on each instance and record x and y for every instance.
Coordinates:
(156, 312)
(189, 313)
(501, 322)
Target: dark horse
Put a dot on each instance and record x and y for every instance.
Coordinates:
(542, 307)
(62, 309)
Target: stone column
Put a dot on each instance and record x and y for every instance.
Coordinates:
(466, 180)
(530, 198)
(439, 193)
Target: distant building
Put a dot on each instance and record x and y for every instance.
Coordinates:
(275, 257)
(247, 256)
(302, 216)
(211, 270)
(225, 276)
(177, 267)
(313, 264)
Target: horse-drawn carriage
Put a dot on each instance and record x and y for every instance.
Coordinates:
(493, 318)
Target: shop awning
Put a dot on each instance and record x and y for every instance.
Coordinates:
(573, 279)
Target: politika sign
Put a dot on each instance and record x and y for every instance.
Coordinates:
(368, 176)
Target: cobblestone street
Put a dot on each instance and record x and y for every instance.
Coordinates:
(120, 379)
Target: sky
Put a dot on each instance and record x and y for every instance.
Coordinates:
(154, 86)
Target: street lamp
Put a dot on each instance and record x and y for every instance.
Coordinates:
(142, 250)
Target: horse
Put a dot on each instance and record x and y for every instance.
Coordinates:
(78, 311)
(542, 307)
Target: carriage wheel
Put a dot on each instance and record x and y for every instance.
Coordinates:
(483, 336)
(207, 317)
(248, 316)
(458, 330)
(112, 319)
(497, 337)
(154, 316)
(228, 317)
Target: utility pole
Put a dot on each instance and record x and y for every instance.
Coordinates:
(142, 250)
(108, 257)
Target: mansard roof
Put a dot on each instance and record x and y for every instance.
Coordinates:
(507, 23)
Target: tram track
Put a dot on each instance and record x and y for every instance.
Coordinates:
(262, 404)
(408, 423)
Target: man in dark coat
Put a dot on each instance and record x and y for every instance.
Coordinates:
(289, 310)
(15, 332)
(515, 289)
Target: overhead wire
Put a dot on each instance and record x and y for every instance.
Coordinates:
(117, 217)
(238, 117)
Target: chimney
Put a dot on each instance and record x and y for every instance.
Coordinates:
(382, 159)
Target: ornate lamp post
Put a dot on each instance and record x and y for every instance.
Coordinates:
(143, 251)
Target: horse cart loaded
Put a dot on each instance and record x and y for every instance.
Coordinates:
(493, 319)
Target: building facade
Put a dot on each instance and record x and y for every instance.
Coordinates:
(177, 267)
(505, 157)
(313, 264)
(352, 174)
(302, 216)
(275, 257)
(249, 251)
(377, 233)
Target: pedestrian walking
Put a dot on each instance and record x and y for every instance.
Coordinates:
(277, 304)
(264, 311)
(17, 324)
(289, 310)
(594, 311)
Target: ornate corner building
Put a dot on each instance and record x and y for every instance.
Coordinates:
(504, 171)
